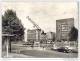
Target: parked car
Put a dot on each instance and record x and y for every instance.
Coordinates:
(72, 49)
(63, 49)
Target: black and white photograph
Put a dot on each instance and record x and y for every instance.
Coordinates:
(39, 29)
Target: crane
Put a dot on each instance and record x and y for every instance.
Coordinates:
(38, 28)
(35, 25)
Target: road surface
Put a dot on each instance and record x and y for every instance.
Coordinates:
(43, 53)
(48, 54)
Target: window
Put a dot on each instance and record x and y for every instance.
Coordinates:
(64, 27)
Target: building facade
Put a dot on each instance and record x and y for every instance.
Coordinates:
(63, 27)
(50, 37)
(33, 35)
(36, 37)
(43, 38)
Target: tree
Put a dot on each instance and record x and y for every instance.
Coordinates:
(11, 24)
(73, 35)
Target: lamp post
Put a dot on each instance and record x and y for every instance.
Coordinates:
(7, 41)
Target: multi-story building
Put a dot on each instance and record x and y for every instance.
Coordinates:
(33, 36)
(63, 27)
(50, 37)
(36, 37)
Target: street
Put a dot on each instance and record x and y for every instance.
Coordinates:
(15, 55)
(48, 54)
(36, 52)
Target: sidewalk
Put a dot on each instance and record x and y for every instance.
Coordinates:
(15, 55)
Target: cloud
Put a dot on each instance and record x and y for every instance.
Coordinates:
(44, 14)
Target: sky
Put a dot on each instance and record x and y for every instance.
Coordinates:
(44, 14)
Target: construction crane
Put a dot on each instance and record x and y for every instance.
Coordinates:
(35, 25)
(39, 30)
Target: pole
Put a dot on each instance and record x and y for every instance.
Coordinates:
(10, 44)
(10, 37)
(7, 47)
